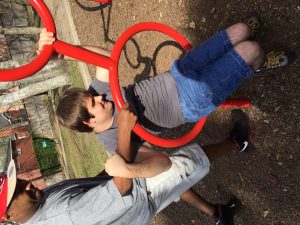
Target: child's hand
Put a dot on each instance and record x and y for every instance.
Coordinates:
(126, 119)
(116, 166)
(46, 38)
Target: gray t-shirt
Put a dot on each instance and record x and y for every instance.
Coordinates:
(94, 201)
(155, 101)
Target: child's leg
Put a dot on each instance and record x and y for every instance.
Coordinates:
(214, 48)
(238, 33)
(251, 53)
(201, 91)
(220, 79)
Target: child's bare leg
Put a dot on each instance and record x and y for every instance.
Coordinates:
(238, 33)
(252, 53)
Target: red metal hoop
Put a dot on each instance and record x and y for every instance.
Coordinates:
(103, 1)
(39, 62)
(115, 87)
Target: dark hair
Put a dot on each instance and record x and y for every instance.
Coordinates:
(71, 110)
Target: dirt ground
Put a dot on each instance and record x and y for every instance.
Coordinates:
(266, 180)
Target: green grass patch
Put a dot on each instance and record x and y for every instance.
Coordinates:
(4, 142)
(46, 155)
(85, 156)
(75, 75)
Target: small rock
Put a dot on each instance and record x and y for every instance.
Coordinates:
(266, 212)
(274, 179)
(277, 108)
(213, 10)
(267, 121)
(192, 25)
(203, 19)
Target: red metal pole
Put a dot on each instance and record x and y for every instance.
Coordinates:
(44, 13)
(83, 55)
(103, 1)
(236, 103)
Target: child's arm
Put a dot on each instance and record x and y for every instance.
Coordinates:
(101, 73)
(148, 163)
(47, 38)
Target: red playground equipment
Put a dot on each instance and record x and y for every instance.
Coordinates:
(112, 65)
(103, 1)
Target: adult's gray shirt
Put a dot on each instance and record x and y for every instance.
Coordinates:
(94, 201)
(155, 101)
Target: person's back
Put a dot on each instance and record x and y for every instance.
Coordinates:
(93, 201)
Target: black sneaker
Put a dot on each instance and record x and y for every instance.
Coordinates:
(224, 213)
(241, 133)
(276, 60)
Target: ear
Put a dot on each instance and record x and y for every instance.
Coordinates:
(7, 218)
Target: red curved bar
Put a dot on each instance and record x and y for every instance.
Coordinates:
(103, 1)
(84, 55)
(38, 63)
(236, 103)
(115, 87)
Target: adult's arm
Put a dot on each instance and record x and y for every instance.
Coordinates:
(126, 122)
(148, 163)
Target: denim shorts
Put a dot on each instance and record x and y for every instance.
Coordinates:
(207, 75)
